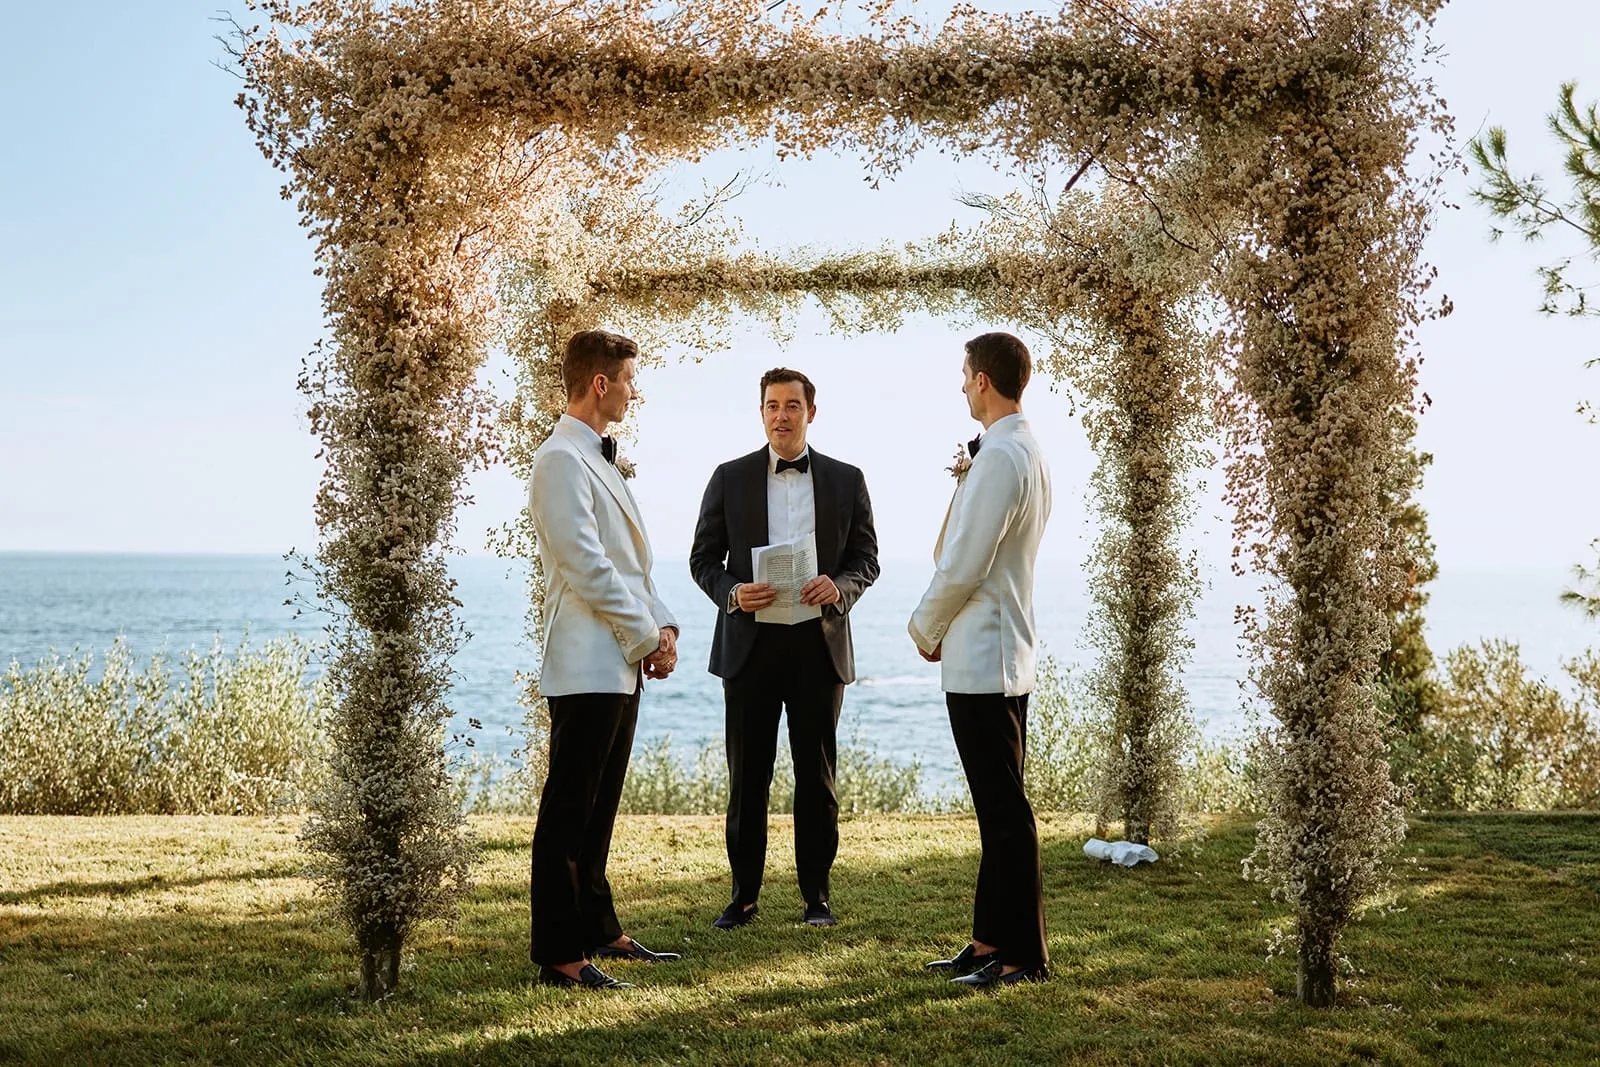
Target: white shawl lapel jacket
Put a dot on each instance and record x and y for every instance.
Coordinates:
(979, 605)
(602, 616)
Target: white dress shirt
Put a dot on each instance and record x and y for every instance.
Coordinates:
(791, 508)
(791, 501)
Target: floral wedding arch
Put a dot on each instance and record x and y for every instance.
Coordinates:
(1251, 154)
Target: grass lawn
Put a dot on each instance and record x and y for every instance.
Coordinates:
(196, 940)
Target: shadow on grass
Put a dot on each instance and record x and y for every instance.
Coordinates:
(1151, 965)
(1567, 843)
(129, 886)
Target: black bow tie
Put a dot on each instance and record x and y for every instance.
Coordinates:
(802, 464)
(608, 448)
(972, 446)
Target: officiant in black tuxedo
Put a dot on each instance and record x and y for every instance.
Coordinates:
(777, 495)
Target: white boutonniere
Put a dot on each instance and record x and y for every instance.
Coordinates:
(962, 464)
(625, 466)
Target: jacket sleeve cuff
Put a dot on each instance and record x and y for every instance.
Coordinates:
(639, 651)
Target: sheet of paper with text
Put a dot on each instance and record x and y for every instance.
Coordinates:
(787, 568)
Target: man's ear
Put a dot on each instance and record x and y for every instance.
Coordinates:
(811, 416)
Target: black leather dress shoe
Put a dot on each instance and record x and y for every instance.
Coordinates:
(735, 915)
(634, 951)
(964, 962)
(991, 978)
(591, 977)
(819, 914)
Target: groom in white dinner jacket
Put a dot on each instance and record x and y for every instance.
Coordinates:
(605, 631)
(976, 621)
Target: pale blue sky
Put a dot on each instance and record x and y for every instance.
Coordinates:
(156, 298)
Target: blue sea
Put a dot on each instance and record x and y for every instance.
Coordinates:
(66, 602)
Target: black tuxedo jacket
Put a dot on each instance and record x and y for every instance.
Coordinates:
(733, 520)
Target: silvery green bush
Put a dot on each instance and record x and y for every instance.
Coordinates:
(1505, 739)
(1066, 766)
(1063, 767)
(663, 781)
(1064, 771)
(221, 733)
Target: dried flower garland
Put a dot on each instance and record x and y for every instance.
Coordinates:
(428, 140)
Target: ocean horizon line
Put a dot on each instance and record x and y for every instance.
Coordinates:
(1459, 566)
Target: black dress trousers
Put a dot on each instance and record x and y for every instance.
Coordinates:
(789, 669)
(1008, 907)
(591, 737)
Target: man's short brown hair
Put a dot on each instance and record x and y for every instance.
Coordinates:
(1004, 359)
(784, 374)
(594, 352)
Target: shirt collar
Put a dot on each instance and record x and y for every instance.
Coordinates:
(582, 430)
(1007, 424)
(772, 458)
